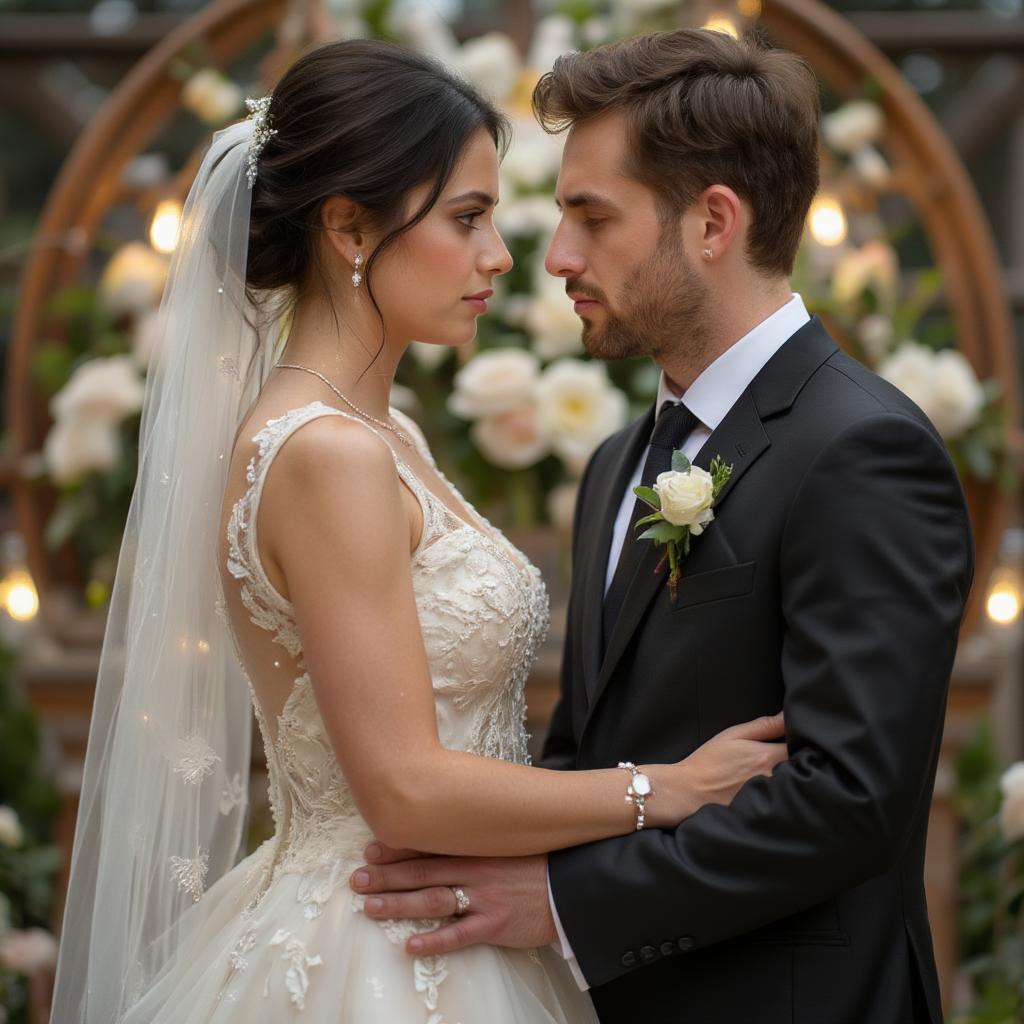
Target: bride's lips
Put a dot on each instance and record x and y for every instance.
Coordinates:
(479, 301)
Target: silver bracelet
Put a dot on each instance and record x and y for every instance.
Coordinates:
(638, 791)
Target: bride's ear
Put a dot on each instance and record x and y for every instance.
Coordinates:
(341, 219)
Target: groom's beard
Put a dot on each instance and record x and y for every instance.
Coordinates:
(665, 309)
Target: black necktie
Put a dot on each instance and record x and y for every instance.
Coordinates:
(675, 422)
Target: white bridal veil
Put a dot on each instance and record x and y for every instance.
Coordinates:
(163, 796)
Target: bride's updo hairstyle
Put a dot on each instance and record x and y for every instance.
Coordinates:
(367, 120)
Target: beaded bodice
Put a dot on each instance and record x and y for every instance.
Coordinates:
(483, 612)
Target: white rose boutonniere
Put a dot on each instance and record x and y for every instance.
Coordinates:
(682, 501)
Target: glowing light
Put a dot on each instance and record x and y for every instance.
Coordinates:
(18, 596)
(722, 23)
(1003, 604)
(163, 231)
(827, 221)
(203, 647)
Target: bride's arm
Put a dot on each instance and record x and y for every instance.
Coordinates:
(336, 524)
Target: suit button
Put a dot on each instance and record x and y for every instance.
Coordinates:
(629, 959)
(648, 953)
(686, 943)
(668, 948)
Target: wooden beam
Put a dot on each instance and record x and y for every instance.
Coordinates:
(945, 31)
(68, 35)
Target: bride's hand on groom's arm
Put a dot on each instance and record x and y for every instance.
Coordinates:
(508, 898)
(716, 771)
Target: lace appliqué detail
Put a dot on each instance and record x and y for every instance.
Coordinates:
(296, 975)
(232, 795)
(189, 873)
(194, 759)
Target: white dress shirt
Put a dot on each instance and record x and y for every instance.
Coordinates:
(709, 398)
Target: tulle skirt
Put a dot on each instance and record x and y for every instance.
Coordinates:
(288, 958)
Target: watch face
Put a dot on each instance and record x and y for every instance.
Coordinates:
(641, 784)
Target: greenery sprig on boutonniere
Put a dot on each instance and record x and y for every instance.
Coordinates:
(682, 500)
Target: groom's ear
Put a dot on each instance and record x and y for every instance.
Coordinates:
(722, 219)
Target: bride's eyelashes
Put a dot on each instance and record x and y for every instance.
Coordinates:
(469, 217)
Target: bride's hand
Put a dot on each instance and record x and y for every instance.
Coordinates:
(715, 772)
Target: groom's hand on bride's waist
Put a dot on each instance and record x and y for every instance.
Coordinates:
(508, 898)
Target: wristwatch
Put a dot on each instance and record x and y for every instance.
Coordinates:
(638, 791)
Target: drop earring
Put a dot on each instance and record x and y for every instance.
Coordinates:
(357, 276)
(708, 253)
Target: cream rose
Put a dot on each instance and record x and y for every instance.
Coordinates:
(579, 408)
(11, 833)
(686, 498)
(211, 97)
(942, 384)
(106, 390)
(75, 447)
(28, 951)
(494, 382)
(1011, 813)
(133, 280)
(491, 62)
(853, 126)
(513, 439)
(551, 320)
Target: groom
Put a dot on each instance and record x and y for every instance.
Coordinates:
(831, 582)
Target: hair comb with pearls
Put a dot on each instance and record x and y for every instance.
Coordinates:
(261, 134)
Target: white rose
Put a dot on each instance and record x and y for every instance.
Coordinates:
(11, 833)
(553, 36)
(957, 395)
(873, 264)
(422, 27)
(491, 62)
(211, 97)
(551, 321)
(1011, 813)
(145, 338)
(133, 280)
(853, 126)
(28, 951)
(430, 357)
(75, 447)
(941, 384)
(874, 333)
(579, 408)
(513, 439)
(494, 382)
(106, 390)
(872, 167)
(686, 498)
(527, 216)
(533, 157)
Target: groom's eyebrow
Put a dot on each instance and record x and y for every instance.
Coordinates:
(480, 197)
(585, 199)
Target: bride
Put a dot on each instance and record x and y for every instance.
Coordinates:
(293, 548)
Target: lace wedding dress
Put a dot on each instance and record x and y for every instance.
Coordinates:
(282, 936)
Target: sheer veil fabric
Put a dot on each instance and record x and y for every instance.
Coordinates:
(163, 794)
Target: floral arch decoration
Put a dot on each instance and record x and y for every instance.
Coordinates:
(503, 412)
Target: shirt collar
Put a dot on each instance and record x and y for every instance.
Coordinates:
(716, 390)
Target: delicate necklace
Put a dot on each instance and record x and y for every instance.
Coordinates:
(401, 435)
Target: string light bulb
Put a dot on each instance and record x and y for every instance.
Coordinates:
(18, 596)
(827, 221)
(165, 226)
(722, 23)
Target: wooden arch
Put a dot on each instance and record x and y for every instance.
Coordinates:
(928, 170)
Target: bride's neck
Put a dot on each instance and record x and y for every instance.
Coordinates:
(347, 352)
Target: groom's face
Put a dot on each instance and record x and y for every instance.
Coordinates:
(626, 268)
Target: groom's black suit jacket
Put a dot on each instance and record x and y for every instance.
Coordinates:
(831, 584)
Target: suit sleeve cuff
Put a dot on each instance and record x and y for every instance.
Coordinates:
(562, 945)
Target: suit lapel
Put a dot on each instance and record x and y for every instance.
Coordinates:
(740, 439)
(609, 488)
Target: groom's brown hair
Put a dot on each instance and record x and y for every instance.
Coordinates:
(703, 108)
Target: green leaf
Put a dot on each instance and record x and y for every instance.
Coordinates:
(655, 517)
(663, 532)
(680, 463)
(649, 496)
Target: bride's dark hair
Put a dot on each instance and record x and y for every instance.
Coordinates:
(367, 120)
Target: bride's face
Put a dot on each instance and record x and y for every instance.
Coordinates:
(434, 283)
